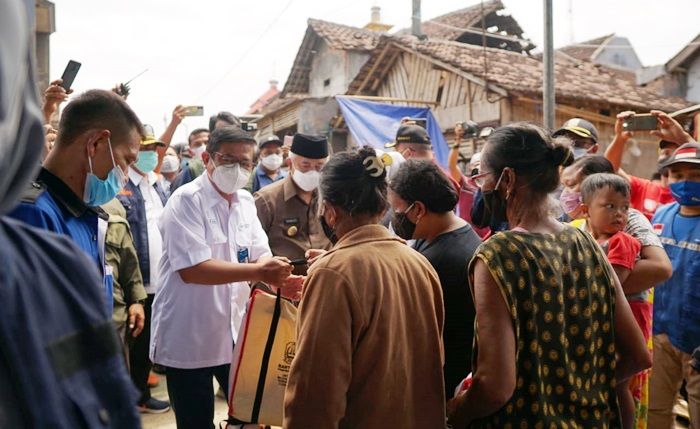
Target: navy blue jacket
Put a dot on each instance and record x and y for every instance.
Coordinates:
(58, 347)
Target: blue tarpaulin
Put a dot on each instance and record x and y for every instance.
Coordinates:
(375, 124)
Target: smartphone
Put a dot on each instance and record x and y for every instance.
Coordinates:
(69, 74)
(643, 122)
(288, 141)
(194, 111)
(296, 262)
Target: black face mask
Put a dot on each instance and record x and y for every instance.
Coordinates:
(489, 209)
(328, 231)
(402, 225)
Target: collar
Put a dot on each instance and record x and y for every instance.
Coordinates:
(290, 189)
(136, 177)
(65, 195)
(365, 234)
(211, 195)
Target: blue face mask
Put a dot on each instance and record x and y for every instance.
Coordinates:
(686, 193)
(147, 161)
(99, 191)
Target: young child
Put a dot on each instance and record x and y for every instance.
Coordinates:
(606, 201)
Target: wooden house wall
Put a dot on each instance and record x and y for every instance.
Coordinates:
(454, 97)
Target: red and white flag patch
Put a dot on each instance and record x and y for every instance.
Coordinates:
(658, 228)
(689, 152)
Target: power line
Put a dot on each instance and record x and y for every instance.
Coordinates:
(248, 51)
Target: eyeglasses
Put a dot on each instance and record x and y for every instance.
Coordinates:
(229, 160)
(480, 178)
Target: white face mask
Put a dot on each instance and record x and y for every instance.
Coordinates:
(198, 151)
(307, 181)
(230, 178)
(272, 162)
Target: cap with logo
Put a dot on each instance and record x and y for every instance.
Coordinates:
(689, 153)
(413, 134)
(309, 146)
(149, 137)
(580, 127)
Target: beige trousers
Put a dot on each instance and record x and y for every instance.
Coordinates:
(668, 371)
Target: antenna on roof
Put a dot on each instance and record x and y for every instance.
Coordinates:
(571, 22)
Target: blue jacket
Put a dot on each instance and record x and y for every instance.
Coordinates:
(677, 300)
(132, 200)
(59, 354)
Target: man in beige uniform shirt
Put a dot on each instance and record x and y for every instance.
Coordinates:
(287, 209)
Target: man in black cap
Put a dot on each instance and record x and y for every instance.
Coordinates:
(583, 136)
(287, 209)
(268, 170)
(412, 141)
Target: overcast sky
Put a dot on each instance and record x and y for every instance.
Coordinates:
(222, 53)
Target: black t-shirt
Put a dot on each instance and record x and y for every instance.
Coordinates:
(449, 254)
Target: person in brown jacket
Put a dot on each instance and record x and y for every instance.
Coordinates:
(369, 330)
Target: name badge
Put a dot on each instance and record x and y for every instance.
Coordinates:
(243, 255)
(291, 221)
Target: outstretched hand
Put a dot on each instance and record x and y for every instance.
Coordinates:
(669, 129)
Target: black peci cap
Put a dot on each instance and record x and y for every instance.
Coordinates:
(308, 146)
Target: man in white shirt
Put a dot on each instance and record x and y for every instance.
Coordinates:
(213, 245)
(143, 201)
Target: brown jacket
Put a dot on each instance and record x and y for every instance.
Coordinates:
(369, 339)
(291, 225)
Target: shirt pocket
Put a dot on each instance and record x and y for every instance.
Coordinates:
(243, 243)
(215, 235)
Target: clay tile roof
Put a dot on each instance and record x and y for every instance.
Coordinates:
(265, 99)
(585, 50)
(520, 74)
(448, 26)
(344, 37)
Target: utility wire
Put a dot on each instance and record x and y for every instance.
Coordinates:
(248, 51)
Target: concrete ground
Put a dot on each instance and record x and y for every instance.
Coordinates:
(167, 420)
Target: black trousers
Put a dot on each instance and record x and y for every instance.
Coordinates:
(138, 354)
(191, 394)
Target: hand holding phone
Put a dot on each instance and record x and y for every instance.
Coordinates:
(641, 122)
(194, 111)
(69, 74)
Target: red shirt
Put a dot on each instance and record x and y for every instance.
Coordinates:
(622, 250)
(646, 196)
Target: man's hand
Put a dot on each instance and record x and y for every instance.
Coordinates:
(459, 132)
(292, 287)
(136, 319)
(54, 95)
(312, 255)
(275, 270)
(669, 129)
(178, 114)
(620, 132)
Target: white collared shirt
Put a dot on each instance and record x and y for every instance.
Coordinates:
(154, 210)
(194, 326)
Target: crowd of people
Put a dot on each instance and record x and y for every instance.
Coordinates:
(542, 287)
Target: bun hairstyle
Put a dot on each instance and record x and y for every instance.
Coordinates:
(531, 152)
(355, 182)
